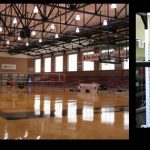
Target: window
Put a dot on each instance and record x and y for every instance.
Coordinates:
(59, 63)
(72, 62)
(88, 65)
(126, 48)
(106, 51)
(47, 65)
(37, 65)
(126, 64)
(108, 66)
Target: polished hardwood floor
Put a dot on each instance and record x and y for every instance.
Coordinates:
(39, 112)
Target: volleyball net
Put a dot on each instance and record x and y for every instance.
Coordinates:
(36, 78)
(46, 79)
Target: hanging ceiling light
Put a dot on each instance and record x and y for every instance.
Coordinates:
(33, 33)
(56, 35)
(77, 30)
(77, 17)
(113, 6)
(7, 42)
(19, 38)
(14, 21)
(1, 29)
(52, 26)
(105, 23)
(40, 40)
(27, 44)
(35, 10)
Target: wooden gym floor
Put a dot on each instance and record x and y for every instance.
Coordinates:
(38, 112)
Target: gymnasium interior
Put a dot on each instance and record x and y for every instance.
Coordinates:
(64, 71)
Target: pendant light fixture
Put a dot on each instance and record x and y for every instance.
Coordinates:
(33, 33)
(19, 38)
(113, 6)
(105, 22)
(56, 35)
(1, 29)
(27, 44)
(40, 40)
(77, 30)
(52, 26)
(7, 42)
(14, 21)
(77, 17)
(35, 10)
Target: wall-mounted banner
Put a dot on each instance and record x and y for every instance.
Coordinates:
(8, 66)
(91, 57)
(97, 56)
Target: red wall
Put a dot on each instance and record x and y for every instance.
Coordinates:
(21, 64)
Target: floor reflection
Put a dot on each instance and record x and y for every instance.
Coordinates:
(37, 105)
(54, 115)
(72, 111)
(107, 115)
(126, 119)
(58, 109)
(5, 134)
(26, 134)
(88, 112)
(47, 106)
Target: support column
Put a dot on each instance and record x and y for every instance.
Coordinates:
(96, 63)
(65, 65)
(42, 65)
(79, 61)
(52, 64)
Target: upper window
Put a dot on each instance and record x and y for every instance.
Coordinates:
(88, 65)
(72, 62)
(126, 64)
(108, 66)
(106, 51)
(47, 65)
(126, 48)
(59, 63)
(37, 65)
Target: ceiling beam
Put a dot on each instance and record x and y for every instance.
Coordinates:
(86, 12)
